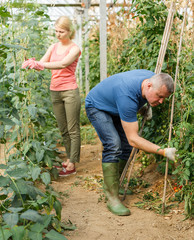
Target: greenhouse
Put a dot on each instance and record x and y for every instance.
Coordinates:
(96, 119)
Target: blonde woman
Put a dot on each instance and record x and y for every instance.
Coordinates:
(62, 58)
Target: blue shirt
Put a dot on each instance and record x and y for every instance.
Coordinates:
(120, 94)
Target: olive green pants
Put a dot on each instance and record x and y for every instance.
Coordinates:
(66, 107)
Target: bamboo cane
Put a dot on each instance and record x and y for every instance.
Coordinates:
(165, 38)
(129, 175)
(172, 108)
(127, 165)
(158, 68)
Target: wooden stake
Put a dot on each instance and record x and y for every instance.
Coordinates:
(165, 38)
(129, 176)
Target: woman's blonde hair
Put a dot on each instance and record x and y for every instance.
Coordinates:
(65, 23)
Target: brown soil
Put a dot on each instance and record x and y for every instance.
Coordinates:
(84, 205)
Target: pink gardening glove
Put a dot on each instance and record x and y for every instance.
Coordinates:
(32, 64)
(37, 65)
(25, 64)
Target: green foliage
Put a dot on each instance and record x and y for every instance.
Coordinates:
(94, 58)
(27, 127)
(188, 196)
(83, 116)
(161, 168)
(152, 201)
(88, 135)
(140, 50)
(26, 203)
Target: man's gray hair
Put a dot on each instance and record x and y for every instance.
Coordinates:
(163, 79)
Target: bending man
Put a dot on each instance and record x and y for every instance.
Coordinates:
(112, 108)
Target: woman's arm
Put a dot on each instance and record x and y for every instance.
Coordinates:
(47, 55)
(67, 60)
(44, 61)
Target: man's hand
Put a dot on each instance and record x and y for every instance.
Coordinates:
(170, 153)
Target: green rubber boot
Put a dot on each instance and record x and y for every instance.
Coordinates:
(111, 188)
(122, 164)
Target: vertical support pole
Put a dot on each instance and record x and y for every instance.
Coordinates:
(165, 38)
(103, 41)
(80, 42)
(87, 85)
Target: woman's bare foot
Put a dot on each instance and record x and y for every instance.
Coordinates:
(65, 164)
(69, 170)
(70, 166)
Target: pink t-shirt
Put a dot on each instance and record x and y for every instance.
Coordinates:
(63, 79)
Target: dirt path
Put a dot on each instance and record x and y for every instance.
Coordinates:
(84, 206)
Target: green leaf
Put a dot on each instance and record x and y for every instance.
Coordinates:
(7, 121)
(1, 131)
(55, 235)
(32, 191)
(186, 177)
(21, 89)
(14, 113)
(32, 110)
(4, 13)
(46, 178)
(22, 186)
(35, 235)
(38, 227)
(27, 147)
(18, 232)
(11, 218)
(13, 46)
(188, 163)
(4, 181)
(39, 155)
(42, 110)
(35, 171)
(176, 145)
(48, 161)
(56, 225)
(158, 138)
(5, 234)
(58, 207)
(187, 172)
(176, 171)
(54, 173)
(17, 201)
(32, 216)
(15, 210)
(39, 192)
(68, 226)
(18, 173)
